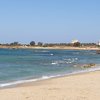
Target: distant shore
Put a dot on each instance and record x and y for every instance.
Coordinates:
(54, 47)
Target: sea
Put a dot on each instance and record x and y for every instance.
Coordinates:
(28, 65)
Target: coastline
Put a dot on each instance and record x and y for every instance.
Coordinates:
(60, 88)
(54, 47)
(43, 78)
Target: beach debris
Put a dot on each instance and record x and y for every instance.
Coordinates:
(91, 65)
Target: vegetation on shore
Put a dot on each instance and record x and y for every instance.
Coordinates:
(41, 44)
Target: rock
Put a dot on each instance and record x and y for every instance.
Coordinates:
(98, 51)
(88, 65)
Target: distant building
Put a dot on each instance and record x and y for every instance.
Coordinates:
(98, 43)
(74, 41)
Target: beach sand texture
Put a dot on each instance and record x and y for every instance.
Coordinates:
(85, 86)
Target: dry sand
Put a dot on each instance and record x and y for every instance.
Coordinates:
(76, 87)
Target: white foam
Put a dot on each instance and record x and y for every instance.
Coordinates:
(53, 63)
(45, 51)
(48, 77)
(51, 54)
(25, 81)
(42, 51)
(45, 77)
(66, 61)
(17, 82)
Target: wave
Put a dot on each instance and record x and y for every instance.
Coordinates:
(97, 68)
(65, 61)
(51, 54)
(22, 81)
(41, 51)
(54, 63)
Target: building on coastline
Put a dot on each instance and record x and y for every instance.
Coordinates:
(98, 43)
(74, 41)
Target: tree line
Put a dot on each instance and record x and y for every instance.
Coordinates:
(33, 43)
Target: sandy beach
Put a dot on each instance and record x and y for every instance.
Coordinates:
(85, 86)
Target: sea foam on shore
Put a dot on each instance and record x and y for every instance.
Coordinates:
(14, 83)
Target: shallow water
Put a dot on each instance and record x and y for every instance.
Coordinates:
(20, 65)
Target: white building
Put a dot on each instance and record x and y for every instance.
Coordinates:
(98, 43)
(74, 41)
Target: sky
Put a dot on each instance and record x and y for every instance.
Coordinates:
(49, 21)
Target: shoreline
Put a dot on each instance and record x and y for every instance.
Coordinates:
(54, 78)
(18, 83)
(55, 47)
(59, 76)
(61, 88)
(75, 86)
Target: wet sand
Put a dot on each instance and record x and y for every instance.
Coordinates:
(85, 86)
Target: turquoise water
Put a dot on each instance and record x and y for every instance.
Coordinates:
(19, 65)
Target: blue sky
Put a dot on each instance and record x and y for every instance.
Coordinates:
(49, 20)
